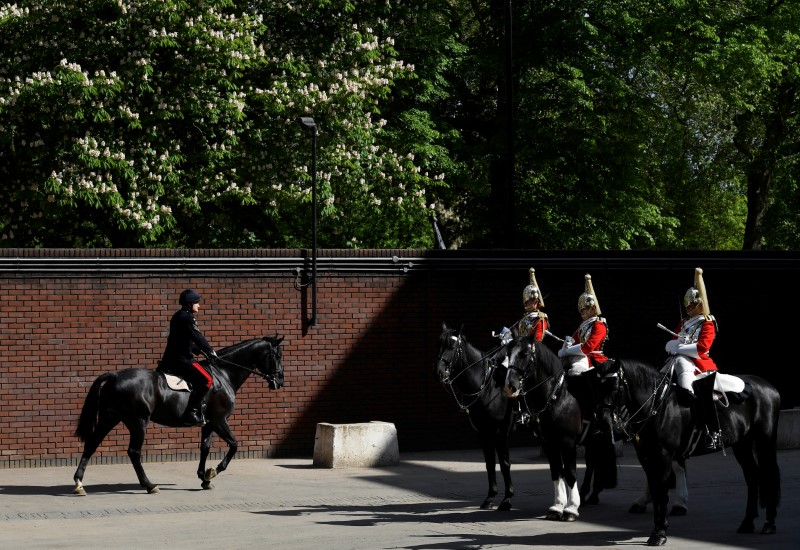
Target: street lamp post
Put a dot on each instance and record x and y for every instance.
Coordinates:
(307, 123)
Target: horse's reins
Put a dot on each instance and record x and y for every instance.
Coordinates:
(655, 400)
(267, 377)
(486, 377)
(523, 392)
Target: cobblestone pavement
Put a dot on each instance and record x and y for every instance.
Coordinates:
(430, 501)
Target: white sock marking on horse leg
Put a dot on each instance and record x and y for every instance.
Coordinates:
(560, 489)
(573, 499)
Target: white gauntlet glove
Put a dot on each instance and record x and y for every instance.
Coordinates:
(504, 335)
(672, 347)
(689, 350)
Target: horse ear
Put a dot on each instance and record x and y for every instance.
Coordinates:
(444, 326)
(279, 340)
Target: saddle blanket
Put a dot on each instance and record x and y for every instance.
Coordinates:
(175, 383)
(725, 382)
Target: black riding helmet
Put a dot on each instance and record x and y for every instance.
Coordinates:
(188, 297)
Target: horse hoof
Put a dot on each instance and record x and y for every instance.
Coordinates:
(553, 516)
(569, 516)
(746, 527)
(678, 511)
(80, 491)
(637, 509)
(657, 540)
(505, 506)
(768, 529)
(487, 504)
(207, 485)
(210, 474)
(153, 490)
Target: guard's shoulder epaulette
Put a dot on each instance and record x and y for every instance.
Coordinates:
(542, 314)
(709, 318)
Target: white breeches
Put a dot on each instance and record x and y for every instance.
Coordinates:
(685, 372)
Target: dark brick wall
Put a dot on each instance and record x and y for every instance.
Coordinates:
(68, 316)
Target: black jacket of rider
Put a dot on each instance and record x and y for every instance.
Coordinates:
(184, 341)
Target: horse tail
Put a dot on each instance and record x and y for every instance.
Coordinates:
(766, 450)
(88, 419)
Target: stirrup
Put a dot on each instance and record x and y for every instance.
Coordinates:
(193, 417)
(523, 419)
(713, 441)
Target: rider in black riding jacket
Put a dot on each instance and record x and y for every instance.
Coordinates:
(184, 342)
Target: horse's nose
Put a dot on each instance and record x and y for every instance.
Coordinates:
(510, 390)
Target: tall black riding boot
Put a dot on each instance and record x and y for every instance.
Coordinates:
(193, 416)
(580, 388)
(704, 389)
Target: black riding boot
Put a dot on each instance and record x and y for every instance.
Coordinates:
(704, 390)
(193, 416)
(581, 389)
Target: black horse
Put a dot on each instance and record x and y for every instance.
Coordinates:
(537, 375)
(477, 385)
(661, 427)
(137, 396)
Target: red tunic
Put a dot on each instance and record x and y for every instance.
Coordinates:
(534, 324)
(708, 331)
(592, 339)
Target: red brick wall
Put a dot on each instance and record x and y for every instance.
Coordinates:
(370, 357)
(361, 362)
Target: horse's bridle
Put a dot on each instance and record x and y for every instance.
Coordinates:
(523, 374)
(457, 351)
(656, 401)
(272, 354)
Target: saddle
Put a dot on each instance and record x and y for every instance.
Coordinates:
(728, 387)
(177, 383)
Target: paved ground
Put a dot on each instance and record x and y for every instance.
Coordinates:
(429, 501)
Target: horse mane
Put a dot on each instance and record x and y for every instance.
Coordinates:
(547, 362)
(547, 359)
(274, 340)
(640, 373)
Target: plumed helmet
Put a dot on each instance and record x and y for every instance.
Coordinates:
(589, 298)
(532, 290)
(697, 293)
(188, 297)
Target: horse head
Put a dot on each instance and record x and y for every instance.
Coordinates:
(530, 365)
(520, 360)
(271, 367)
(450, 347)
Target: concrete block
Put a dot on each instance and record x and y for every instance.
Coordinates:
(789, 429)
(360, 445)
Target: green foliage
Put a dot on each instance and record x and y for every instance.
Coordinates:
(172, 123)
(637, 125)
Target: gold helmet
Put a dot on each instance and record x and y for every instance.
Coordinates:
(697, 293)
(532, 290)
(589, 298)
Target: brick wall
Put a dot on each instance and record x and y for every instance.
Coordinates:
(68, 316)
